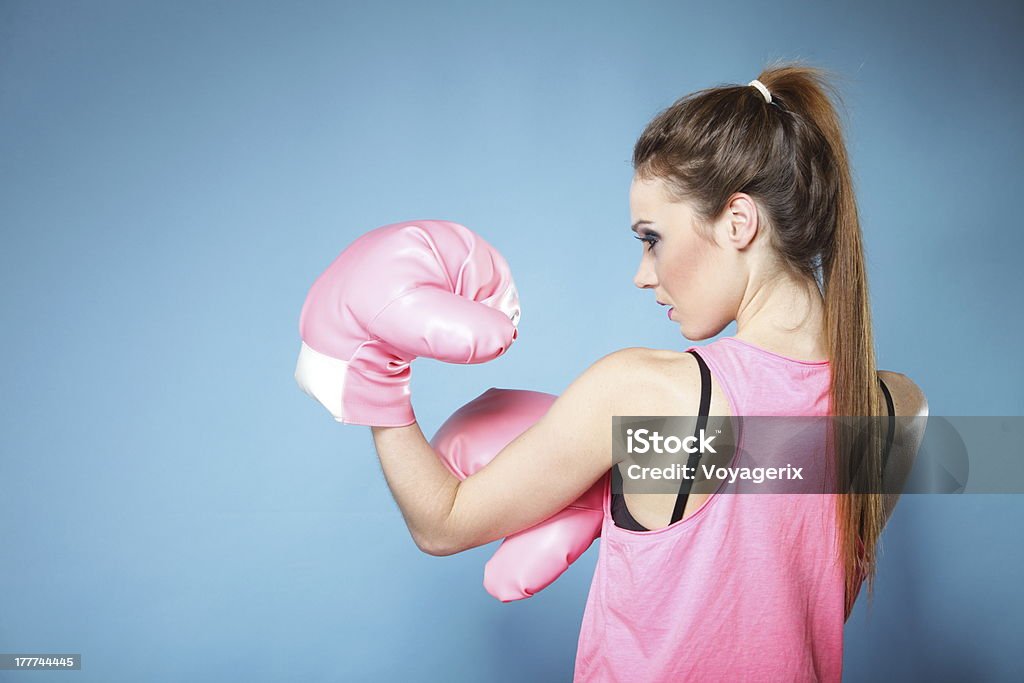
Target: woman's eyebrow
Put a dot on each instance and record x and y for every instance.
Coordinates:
(639, 223)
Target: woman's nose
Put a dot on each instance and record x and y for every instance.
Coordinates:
(644, 277)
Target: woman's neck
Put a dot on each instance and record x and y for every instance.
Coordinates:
(786, 316)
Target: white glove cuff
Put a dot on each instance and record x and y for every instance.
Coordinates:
(322, 377)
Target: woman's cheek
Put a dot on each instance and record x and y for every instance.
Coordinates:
(694, 293)
(679, 278)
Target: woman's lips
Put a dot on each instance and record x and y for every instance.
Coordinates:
(670, 312)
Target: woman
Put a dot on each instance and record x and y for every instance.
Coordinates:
(743, 200)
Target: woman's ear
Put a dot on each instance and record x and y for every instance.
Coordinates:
(742, 220)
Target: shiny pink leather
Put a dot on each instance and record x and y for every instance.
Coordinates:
(420, 288)
(530, 560)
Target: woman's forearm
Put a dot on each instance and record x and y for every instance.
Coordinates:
(420, 483)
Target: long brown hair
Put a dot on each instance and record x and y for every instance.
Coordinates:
(790, 157)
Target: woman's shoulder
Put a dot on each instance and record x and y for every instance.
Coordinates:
(908, 399)
(653, 365)
(630, 381)
(911, 404)
(659, 380)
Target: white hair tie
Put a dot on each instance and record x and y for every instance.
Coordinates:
(764, 91)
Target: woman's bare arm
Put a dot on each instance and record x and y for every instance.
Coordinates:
(538, 474)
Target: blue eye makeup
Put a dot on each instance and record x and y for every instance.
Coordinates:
(650, 239)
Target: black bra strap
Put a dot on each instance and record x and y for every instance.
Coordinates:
(891, 410)
(702, 423)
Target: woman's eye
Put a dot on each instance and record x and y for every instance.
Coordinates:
(649, 239)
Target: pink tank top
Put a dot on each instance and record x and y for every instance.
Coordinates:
(749, 587)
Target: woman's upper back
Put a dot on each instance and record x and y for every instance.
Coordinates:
(671, 384)
(675, 376)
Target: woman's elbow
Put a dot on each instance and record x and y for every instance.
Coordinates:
(438, 546)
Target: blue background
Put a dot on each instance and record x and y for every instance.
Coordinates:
(174, 175)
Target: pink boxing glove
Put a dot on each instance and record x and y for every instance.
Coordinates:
(530, 560)
(420, 288)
